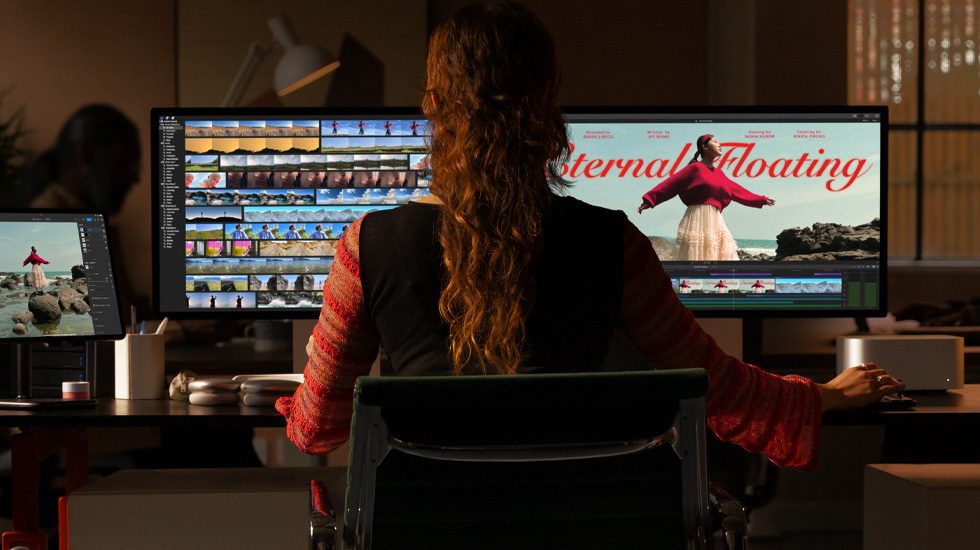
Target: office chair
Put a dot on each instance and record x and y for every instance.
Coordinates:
(612, 460)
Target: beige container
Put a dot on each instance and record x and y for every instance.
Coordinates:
(139, 367)
(921, 506)
(240, 508)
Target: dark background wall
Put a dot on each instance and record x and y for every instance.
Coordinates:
(58, 56)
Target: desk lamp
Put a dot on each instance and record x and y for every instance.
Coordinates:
(299, 65)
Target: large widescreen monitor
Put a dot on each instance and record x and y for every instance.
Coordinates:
(817, 250)
(249, 204)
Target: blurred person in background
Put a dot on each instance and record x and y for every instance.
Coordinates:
(94, 164)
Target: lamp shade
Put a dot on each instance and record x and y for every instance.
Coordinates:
(301, 65)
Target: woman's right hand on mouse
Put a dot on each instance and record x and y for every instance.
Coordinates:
(856, 387)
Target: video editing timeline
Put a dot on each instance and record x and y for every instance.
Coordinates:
(254, 208)
(831, 287)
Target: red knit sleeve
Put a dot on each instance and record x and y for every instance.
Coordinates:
(318, 415)
(745, 197)
(778, 415)
(670, 187)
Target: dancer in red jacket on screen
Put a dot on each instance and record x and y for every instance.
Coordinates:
(39, 280)
(706, 190)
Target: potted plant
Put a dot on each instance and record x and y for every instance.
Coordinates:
(14, 158)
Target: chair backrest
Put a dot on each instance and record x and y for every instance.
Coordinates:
(529, 461)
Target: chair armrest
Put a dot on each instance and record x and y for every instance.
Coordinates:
(323, 520)
(731, 514)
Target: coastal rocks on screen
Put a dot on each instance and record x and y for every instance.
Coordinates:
(45, 308)
(308, 215)
(80, 285)
(822, 287)
(749, 257)
(81, 307)
(296, 298)
(198, 197)
(277, 282)
(665, 249)
(254, 283)
(77, 272)
(66, 298)
(830, 241)
(304, 282)
(23, 317)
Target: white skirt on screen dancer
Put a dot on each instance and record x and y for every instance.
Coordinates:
(703, 236)
(39, 279)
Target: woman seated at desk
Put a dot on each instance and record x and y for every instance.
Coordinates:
(483, 275)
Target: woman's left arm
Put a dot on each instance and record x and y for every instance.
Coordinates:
(344, 345)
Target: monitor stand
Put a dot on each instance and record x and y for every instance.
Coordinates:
(862, 325)
(752, 340)
(22, 381)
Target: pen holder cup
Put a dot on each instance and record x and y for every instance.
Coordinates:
(139, 367)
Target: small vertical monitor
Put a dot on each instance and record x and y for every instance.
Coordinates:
(57, 286)
(56, 278)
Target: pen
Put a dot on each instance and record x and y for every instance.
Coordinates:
(143, 327)
(163, 325)
(132, 319)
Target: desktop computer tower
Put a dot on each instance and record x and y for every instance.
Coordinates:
(52, 365)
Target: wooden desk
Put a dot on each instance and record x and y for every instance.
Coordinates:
(44, 432)
(938, 430)
(137, 413)
(956, 408)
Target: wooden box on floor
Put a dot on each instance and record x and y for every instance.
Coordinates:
(197, 508)
(921, 506)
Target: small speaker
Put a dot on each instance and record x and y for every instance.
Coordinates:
(922, 363)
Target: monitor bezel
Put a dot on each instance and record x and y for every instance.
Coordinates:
(77, 338)
(317, 112)
(882, 110)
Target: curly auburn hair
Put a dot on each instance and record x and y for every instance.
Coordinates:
(498, 138)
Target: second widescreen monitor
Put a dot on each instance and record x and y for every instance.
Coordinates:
(251, 204)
